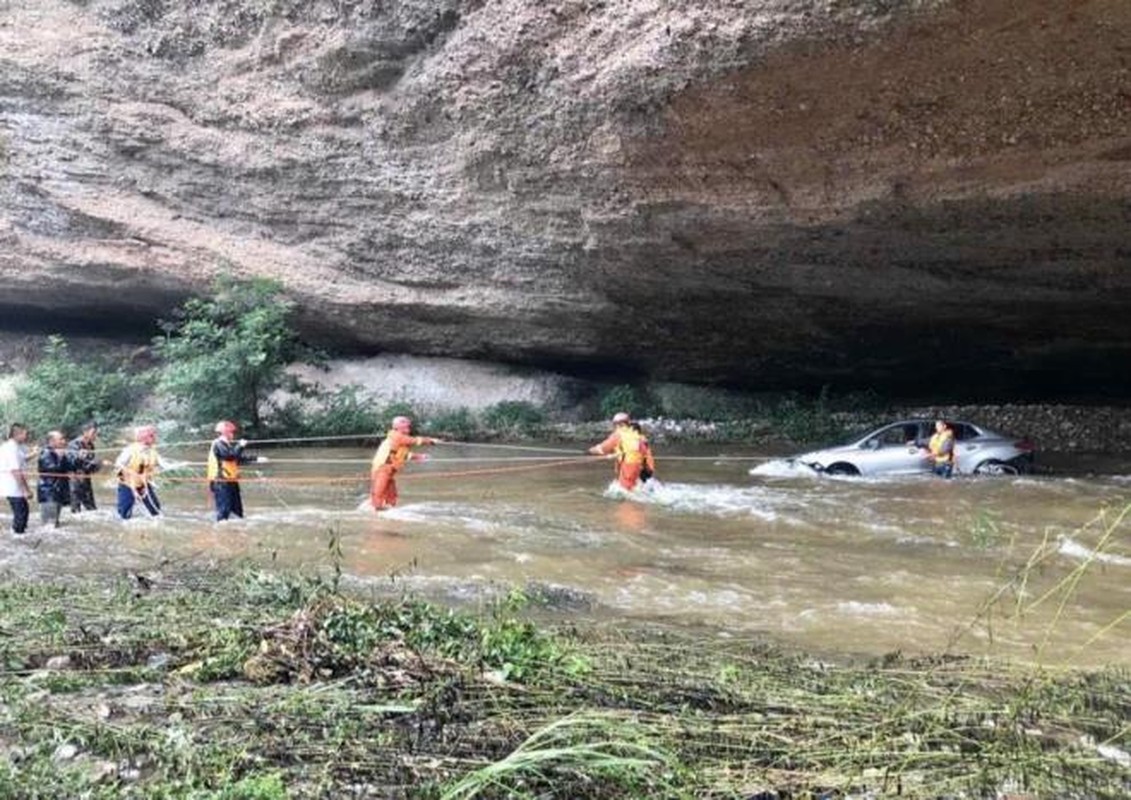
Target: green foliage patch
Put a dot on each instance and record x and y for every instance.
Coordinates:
(62, 393)
(343, 696)
(513, 417)
(223, 357)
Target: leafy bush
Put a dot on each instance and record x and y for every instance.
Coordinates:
(805, 421)
(225, 356)
(398, 408)
(256, 787)
(684, 401)
(513, 417)
(59, 392)
(341, 412)
(620, 398)
(458, 425)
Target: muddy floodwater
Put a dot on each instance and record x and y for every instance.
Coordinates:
(862, 567)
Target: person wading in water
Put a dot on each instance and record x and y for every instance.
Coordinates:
(631, 448)
(390, 459)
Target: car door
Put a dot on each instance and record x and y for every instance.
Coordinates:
(968, 447)
(893, 451)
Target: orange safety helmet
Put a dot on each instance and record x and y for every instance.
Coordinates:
(401, 423)
(620, 418)
(226, 427)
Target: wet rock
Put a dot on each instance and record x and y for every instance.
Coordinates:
(65, 752)
(58, 663)
(780, 194)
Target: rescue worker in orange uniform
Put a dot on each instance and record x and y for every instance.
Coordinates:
(631, 449)
(136, 466)
(390, 459)
(225, 457)
(940, 449)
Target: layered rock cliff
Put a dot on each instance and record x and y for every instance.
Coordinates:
(765, 193)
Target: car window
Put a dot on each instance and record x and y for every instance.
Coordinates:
(962, 431)
(897, 435)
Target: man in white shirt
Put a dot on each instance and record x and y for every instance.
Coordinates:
(13, 475)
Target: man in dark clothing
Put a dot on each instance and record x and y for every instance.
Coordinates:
(225, 457)
(85, 461)
(54, 488)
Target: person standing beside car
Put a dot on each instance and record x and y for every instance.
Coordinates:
(940, 450)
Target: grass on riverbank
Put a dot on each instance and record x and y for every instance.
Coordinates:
(236, 683)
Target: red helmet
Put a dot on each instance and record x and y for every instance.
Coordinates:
(401, 423)
(621, 417)
(226, 427)
(146, 434)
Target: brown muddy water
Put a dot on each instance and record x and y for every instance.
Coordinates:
(829, 565)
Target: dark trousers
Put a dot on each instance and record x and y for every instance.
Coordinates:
(82, 495)
(226, 494)
(20, 511)
(127, 497)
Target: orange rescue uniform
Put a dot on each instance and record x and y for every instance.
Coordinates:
(632, 453)
(388, 461)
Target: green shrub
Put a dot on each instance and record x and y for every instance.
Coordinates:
(59, 392)
(225, 356)
(516, 417)
(804, 421)
(458, 425)
(684, 401)
(340, 412)
(397, 408)
(256, 787)
(621, 398)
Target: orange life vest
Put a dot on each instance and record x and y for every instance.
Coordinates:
(630, 446)
(140, 467)
(227, 469)
(396, 456)
(941, 446)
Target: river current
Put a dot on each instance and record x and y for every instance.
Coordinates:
(1036, 568)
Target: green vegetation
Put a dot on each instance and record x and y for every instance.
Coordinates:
(624, 398)
(341, 412)
(224, 357)
(459, 425)
(60, 392)
(238, 683)
(513, 418)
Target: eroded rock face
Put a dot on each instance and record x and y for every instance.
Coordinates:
(921, 196)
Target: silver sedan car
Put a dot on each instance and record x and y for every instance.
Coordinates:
(901, 449)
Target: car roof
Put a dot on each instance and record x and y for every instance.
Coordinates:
(982, 429)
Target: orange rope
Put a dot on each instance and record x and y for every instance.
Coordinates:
(350, 478)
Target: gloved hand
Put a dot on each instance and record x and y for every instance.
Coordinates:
(261, 459)
(242, 442)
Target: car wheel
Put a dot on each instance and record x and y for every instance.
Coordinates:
(995, 468)
(841, 469)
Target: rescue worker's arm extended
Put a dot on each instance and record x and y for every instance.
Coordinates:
(235, 451)
(421, 441)
(607, 447)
